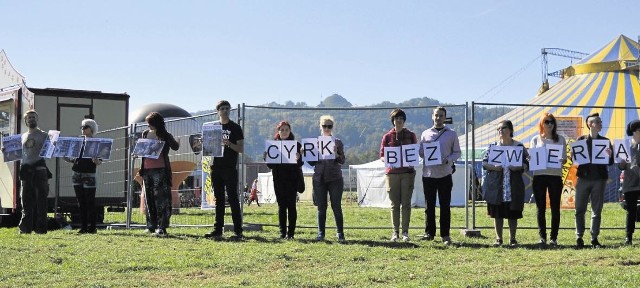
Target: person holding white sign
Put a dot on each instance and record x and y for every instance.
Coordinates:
(436, 178)
(592, 179)
(327, 180)
(631, 184)
(505, 193)
(399, 178)
(156, 176)
(285, 180)
(84, 180)
(550, 178)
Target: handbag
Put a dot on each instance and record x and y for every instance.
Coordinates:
(300, 184)
(492, 187)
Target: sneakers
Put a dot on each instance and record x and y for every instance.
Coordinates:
(320, 236)
(405, 237)
(596, 244)
(553, 242)
(498, 243)
(542, 242)
(446, 240)
(427, 237)
(579, 243)
(160, 233)
(340, 237)
(513, 242)
(213, 234)
(149, 231)
(237, 237)
(394, 237)
(628, 241)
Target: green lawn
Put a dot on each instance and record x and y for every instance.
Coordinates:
(130, 258)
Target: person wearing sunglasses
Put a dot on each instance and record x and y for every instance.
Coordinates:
(437, 179)
(592, 181)
(327, 180)
(399, 181)
(549, 179)
(505, 199)
(84, 180)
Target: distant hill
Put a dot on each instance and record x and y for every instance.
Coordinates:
(335, 100)
(360, 130)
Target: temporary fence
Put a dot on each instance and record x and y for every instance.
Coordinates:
(359, 128)
(570, 124)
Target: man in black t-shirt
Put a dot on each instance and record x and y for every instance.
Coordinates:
(224, 173)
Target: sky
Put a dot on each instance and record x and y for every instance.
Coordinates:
(194, 53)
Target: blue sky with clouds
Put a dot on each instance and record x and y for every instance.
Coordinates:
(193, 53)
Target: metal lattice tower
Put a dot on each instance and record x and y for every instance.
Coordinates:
(557, 52)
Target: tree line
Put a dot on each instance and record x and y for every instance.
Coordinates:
(360, 130)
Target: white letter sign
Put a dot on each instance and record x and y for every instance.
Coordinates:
(432, 154)
(621, 151)
(309, 149)
(579, 152)
(392, 157)
(599, 151)
(538, 158)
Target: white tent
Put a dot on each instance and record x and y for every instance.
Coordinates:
(267, 193)
(372, 191)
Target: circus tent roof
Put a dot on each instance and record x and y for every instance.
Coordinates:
(606, 79)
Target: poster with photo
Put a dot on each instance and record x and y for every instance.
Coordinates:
(69, 147)
(212, 139)
(97, 148)
(12, 148)
(148, 148)
(49, 144)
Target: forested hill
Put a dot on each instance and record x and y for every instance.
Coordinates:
(360, 130)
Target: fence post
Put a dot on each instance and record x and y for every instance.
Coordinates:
(131, 136)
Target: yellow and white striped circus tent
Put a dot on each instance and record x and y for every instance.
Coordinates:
(606, 79)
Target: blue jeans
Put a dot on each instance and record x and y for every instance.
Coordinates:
(334, 189)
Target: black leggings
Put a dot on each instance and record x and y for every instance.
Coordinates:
(542, 184)
(631, 200)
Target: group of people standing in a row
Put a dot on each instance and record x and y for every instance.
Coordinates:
(505, 199)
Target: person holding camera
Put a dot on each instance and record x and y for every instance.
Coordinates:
(437, 179)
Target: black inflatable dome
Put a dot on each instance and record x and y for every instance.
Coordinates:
(165, 109)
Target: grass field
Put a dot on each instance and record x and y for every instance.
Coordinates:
(130, 258)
